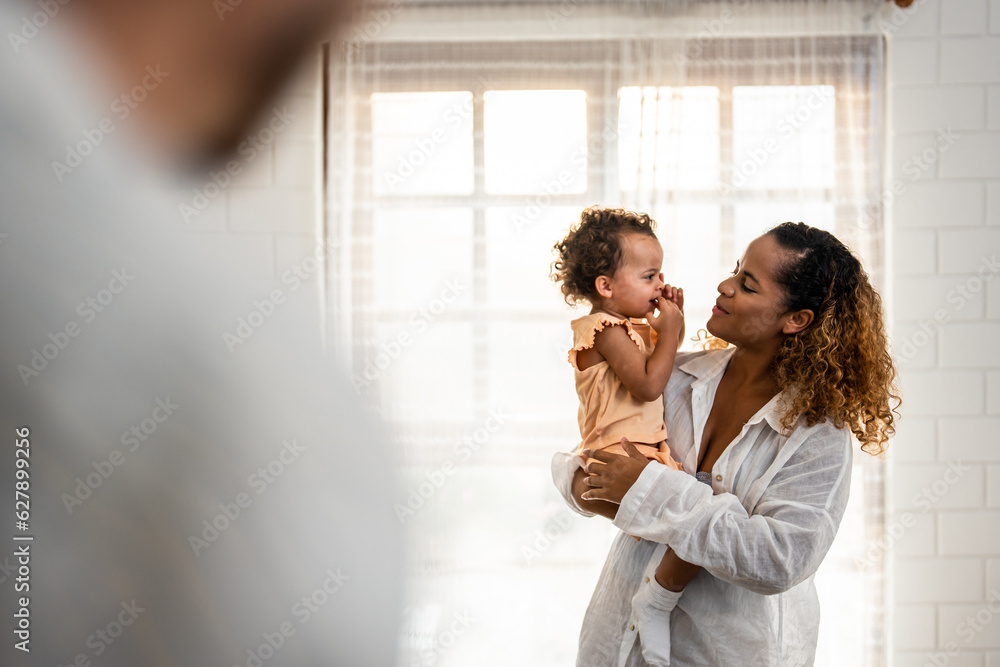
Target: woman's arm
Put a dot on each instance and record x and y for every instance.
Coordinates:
(780, 543)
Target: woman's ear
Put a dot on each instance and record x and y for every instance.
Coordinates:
(603, 285)
(797, 321)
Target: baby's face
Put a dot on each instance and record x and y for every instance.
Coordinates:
(638, 283)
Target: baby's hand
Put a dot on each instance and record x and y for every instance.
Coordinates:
(674, 294)
(670, 318)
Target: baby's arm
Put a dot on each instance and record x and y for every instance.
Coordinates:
(644, 377)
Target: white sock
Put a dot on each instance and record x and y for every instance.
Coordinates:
(651, 609)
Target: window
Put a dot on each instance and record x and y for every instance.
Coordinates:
(453, 169)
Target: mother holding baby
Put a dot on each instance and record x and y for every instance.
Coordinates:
(770, 418)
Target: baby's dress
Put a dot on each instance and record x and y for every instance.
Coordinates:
(608, 410)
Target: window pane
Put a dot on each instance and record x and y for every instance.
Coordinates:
(691, 238)
(783, 136)
(754, 218)
(422, 143)
(536, 141)
(419, 256)
(541, 351)
(519, 253)
(427, 376)
(668, 138)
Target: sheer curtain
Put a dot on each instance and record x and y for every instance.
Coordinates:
(463, 138)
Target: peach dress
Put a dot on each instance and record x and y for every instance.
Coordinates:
(608, 410)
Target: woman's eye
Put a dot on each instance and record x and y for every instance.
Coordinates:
(747, 289)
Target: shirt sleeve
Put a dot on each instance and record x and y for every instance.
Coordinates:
(564, 465)
(778, 544)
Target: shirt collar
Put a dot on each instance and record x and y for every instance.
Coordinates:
(710, 366)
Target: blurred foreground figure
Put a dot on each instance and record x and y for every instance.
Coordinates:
(193, 500)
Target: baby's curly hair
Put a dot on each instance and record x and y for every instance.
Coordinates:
(594, 248)
(840, 365)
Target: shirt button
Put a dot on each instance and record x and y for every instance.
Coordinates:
(647, 580)
(631, 627)
(718, 478)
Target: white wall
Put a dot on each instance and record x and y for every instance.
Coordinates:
(944, 152)
(268, 216)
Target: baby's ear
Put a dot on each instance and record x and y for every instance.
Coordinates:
(603, 286)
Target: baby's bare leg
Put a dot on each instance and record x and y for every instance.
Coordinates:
(673, 573)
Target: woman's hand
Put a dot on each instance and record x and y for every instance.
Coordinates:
(612, 475)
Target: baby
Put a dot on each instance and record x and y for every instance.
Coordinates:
(612, 260)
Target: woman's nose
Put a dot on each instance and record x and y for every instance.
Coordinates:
(726, 287)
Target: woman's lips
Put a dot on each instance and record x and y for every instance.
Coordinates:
(718, 311)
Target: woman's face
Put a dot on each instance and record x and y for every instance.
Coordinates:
(751, 304)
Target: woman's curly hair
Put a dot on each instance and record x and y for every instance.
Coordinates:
(840, 364)
(594, 248)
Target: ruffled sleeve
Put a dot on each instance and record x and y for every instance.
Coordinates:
(586, 328)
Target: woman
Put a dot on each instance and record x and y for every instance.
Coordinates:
(771, 419)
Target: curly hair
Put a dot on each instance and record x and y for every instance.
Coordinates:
(594, 248)
(840, 364)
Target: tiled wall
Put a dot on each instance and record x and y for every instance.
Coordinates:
(944, 150)
(268, 216)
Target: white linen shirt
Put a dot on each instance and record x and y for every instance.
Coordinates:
(777, 503)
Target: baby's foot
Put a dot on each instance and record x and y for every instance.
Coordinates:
(651, 609)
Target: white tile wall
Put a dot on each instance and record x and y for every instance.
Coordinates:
(969, 439)
(926, 108)
(945, 73)
(915, 626)
(268, 215)
(940, 204)
(915, 252)
(920, 580)
(964, 18)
